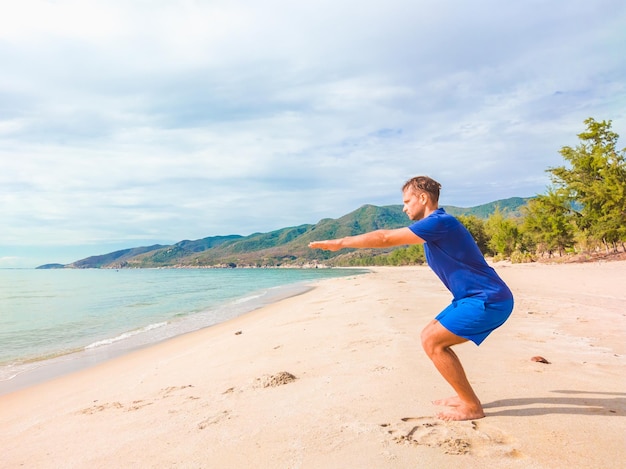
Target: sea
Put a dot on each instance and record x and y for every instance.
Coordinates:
(61, 320)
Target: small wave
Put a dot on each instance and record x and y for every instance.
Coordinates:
(7, 375)
(245, 299)
(125, 335)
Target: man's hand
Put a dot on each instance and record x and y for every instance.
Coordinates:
(327, 245)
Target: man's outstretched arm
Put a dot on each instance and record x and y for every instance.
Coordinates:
(373, 239)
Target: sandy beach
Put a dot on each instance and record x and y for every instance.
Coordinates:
(336, 378)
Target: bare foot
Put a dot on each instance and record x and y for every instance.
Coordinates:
(462, 412)
(454, 401)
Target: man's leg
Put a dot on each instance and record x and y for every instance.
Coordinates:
(437, 341)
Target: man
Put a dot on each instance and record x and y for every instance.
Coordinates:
(481, 300)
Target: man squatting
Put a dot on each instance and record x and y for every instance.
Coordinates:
(481, 301)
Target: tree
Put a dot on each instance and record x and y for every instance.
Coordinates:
(504, 234)
(411, 255)
(548, 221)
(476, 227)
(595, 183)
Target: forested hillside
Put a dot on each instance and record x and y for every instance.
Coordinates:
(287, 246)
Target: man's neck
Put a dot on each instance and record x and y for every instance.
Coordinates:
(430, 209)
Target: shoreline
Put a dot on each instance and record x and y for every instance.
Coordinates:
(336, 377)
(39, 370)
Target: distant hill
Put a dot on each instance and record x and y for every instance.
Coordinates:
(287, 246)
(106, 260)
(52, 266)
(509, 207)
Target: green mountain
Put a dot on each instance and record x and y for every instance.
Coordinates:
(176, 254)
(509, 207)
(107, 260)
(287, 246)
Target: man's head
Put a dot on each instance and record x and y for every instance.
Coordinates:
(423, 184)
(420, 196)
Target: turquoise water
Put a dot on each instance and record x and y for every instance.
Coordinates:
(47, 314)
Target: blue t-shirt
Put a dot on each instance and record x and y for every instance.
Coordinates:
(454, 256)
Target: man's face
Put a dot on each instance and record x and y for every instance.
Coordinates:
(414, 204)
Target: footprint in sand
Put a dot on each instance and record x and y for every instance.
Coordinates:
(167, 392)
(136, 404)
(101, 407)
(214, 419)
(469, 437)
(132, 406)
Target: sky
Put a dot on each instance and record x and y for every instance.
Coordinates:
(127, 123)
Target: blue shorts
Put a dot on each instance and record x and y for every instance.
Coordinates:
(473, 319)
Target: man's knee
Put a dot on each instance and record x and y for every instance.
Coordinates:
(435, 338)
(428, 339)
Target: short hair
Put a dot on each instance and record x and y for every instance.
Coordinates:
(423, 184)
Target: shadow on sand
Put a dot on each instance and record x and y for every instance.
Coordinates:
(571, 402)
